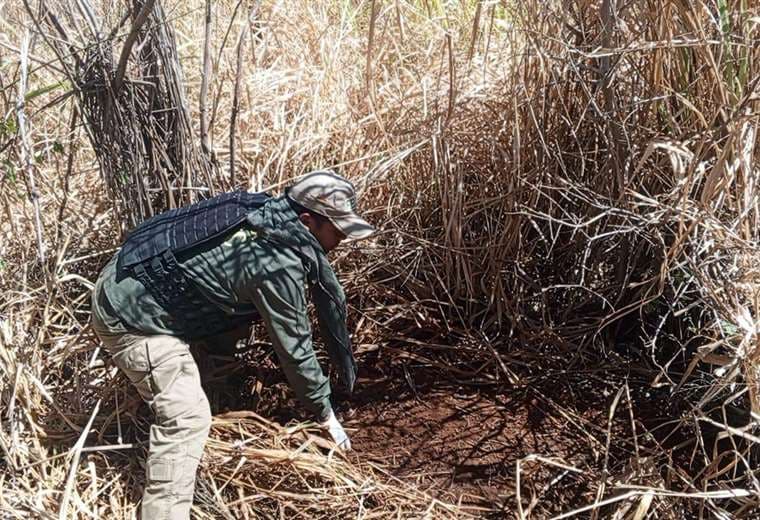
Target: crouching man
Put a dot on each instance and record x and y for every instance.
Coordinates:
(210, 267)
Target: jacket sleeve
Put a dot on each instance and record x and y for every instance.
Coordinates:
(332, 327)
(280, 298)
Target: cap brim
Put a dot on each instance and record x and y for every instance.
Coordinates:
(353, 226)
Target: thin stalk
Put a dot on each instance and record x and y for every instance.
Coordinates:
(205, 143)
(26, 148)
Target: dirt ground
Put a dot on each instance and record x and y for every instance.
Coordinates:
(461, 442)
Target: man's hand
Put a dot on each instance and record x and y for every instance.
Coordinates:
(337, 432)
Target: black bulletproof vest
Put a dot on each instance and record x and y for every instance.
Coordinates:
(149, 252)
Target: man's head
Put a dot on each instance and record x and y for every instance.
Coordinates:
(326, 204)
(320, 226)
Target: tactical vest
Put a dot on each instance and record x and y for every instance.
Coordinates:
(150, 255)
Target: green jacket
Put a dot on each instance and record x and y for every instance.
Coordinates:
(240, 269)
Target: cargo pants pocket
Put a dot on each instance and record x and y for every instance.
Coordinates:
(133, 361)
(161, 470)
(178, 390)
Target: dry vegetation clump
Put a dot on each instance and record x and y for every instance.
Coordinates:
(568, 195)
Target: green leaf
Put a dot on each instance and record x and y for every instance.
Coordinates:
(8, 126)
(728, 328)
(10, 170)
(44, 90)
(725, 22)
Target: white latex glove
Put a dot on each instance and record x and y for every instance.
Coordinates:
(337, 432)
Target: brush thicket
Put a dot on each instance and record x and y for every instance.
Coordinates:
(560, 186)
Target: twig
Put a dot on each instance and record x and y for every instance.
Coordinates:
(112, 447)
(69, 169)
(205, 145)
(86, 11)
(605, 467)
(26, 149)
(521, 513)
(238, 78)
(729, 493)
(368, 81)
(76, 452)
(121, 68)
(11, 415)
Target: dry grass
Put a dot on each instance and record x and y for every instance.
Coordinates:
(560, 186)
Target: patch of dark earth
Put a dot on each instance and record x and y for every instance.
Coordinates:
(462, 442)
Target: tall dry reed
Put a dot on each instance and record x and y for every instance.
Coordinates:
(561, 185)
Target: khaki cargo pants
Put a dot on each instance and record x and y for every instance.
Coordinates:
(167, 378)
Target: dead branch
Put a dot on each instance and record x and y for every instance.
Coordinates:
(205, 77)
(126, 50)
(25, 145)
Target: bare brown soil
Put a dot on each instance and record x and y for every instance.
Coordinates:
(460, 441)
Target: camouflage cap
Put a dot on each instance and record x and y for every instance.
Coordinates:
(334, 197)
